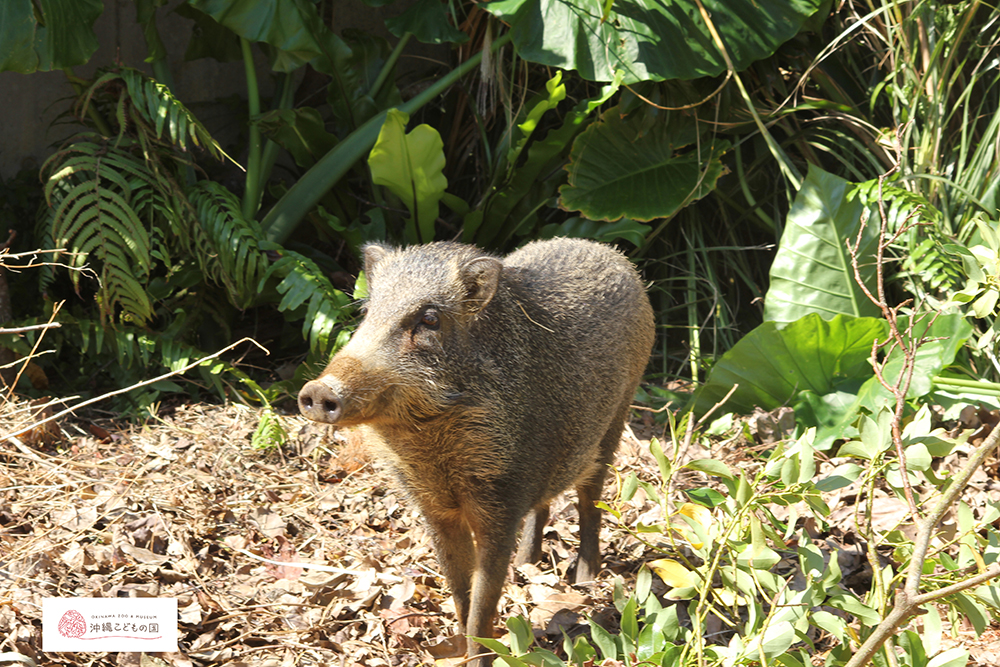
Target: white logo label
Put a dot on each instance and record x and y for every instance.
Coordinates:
(109, 624)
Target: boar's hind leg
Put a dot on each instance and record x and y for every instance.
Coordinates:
(530, 549)
(457, 556)
(588, 562)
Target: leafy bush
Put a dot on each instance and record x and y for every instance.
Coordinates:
(775, 588)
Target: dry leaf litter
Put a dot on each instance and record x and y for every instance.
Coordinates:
(308, 555)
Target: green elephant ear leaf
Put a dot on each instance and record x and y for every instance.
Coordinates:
(17, 37)
(812, 271)
(943, 336)
(605, 232)
(611, 177)
(412, 167)
(209, 39)
(649, 39)
(292, 27)
(773, 365)
(63, 37)
(428, 21)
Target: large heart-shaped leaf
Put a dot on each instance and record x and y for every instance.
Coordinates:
(605, 232)
(944, 336)
(649, 39)
(812, 270)
(292, 27)
(427, 20)
(835, 413)
(621, 169)
(65, 38)
(823, 369)
(411, 166)
(17, 37)
(773, 365)
(209, 38)
(299, 131)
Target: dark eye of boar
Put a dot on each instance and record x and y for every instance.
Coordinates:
(430, 320)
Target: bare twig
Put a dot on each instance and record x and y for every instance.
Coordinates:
(718, 405)
(34, 262)
(907, 342)
(31, 355)
(908, 599)
(318, 567)
(30, 327)
(144, 383)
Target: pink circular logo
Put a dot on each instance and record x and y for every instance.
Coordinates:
(72, 624)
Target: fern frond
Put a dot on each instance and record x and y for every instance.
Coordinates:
(235, 240)
(131, 348)
(92, 213)
(131, 354)
(270, 431)
(159, 108)
(926, 264)
(303, 283)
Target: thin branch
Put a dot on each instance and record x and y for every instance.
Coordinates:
(908, 344)
(144, 383)
(32, 327)
(31, 355)
(908, 598)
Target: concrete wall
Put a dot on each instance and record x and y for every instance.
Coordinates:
(31, 103)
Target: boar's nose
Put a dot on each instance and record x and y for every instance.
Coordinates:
(320, 403)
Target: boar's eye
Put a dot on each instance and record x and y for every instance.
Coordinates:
(430, 320)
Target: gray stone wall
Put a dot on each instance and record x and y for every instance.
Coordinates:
(30, 104)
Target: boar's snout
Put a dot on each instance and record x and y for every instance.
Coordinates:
(319, 402)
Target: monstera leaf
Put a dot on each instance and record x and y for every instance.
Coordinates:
(649, 39)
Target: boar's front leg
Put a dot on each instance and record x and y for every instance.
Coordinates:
(496, 537)
(456, 553)
(476, 570)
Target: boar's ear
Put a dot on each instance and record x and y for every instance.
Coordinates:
(372, 255)
(481, 278)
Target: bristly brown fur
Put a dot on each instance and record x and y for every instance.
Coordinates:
(491, 385)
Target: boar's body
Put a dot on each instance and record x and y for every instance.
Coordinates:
(491, 386)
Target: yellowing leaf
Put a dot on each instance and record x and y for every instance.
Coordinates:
(729, 597)
(697, 513)
(411, 165)
(673, 573)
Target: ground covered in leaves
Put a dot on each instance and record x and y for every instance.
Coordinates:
(303, 555)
